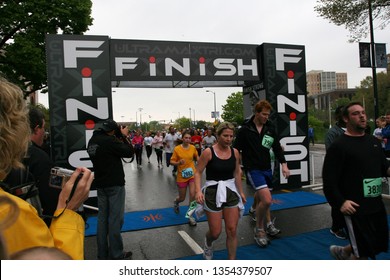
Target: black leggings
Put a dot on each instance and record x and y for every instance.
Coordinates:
(149, 151)
(159, 153)
(138, 156)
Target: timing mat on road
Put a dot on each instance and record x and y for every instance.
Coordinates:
(139, 220)
(305, 246)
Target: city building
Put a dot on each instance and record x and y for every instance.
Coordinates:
(319, 81)
(325, 87)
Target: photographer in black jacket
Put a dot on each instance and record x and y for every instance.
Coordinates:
(106, 148)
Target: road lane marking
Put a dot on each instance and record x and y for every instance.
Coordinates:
(191, 242)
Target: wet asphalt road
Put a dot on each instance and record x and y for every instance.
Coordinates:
(152, 188)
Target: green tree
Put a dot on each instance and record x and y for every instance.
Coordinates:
(155, 126)
(354, 14)
(182, 122)
(201, 124)
(365, 94)
(233, 110)
(23, 26)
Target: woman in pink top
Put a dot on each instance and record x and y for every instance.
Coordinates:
(138, 143)
(158, 147)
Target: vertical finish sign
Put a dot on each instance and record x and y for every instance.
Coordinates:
(283, 70)
(80, 94)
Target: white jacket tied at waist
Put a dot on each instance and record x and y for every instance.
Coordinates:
(221, 195)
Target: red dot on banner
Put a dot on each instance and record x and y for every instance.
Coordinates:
(89, 124)
(86, 72)
(152, 59)
(293, 116)
(290, 74)
(202, 59)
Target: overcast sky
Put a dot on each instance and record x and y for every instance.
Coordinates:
(222, 21)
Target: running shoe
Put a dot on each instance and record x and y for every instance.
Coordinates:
(338, 233)
(192, 221)
(176, 207)
(272, 230)
(207, 251)
(263, 240)
(252, 214)
(338, 253)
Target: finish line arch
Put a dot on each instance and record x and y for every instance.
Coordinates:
(82, 70)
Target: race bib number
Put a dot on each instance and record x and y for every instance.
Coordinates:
(372, 187)
(187, 173)
(267, 141)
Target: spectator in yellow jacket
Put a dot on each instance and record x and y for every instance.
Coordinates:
(29, 230)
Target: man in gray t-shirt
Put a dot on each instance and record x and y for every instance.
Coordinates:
(170, 142)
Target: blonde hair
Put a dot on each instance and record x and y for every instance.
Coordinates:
(223, 126)
(14, 127)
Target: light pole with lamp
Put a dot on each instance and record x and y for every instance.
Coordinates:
(190, 117)
(140, 117)
(215, 105)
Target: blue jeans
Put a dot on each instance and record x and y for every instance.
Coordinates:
(111, 203)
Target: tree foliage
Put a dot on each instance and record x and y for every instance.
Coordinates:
(365, 94)
(354, 14)
(182, 122)
(154, 126)
(23, 27)
(233, 110)
(201, 124)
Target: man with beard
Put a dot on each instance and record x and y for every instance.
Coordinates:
(352, 175)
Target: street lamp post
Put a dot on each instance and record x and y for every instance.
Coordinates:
(140, 116)
(373, 65)
(190, 117)
(215, 105)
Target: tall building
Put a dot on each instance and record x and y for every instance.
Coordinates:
(324, 87)
(319, 81)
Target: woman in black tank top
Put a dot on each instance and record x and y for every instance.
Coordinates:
(220, 169)
(222, 194)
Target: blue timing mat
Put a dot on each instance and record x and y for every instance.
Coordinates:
(306, 246)
(164, 217)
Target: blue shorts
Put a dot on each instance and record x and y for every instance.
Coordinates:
(260, 179)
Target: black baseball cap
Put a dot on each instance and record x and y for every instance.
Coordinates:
(109, 125)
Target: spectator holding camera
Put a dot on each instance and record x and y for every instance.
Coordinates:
(106, 148)
(28, 230)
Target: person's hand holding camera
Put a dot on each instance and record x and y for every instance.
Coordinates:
(125, 130)
(80, 191)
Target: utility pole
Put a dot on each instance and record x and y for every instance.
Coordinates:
(215, 105)
(373, 63)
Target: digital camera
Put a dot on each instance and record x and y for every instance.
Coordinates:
(59, 176)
